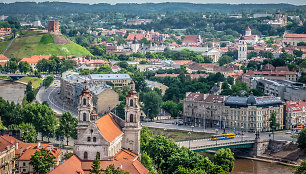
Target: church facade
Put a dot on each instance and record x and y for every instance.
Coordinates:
(107, 135)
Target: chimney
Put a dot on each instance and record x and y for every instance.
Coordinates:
(38, 145)
(120, 167)
(16, 145)
(21, 151)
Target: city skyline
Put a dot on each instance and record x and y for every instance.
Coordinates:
(294, 2)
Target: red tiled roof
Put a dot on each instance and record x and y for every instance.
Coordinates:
(3, 57)
(295, 36)
(31, 148)
(248, 29)
(294, 106)
(125, 155)
(71, 166)
(214, 98)
(191, 39)
(195, 97)
(138, 36)
(7, 141)
(108, 127)
(183, 62)
(36, 58)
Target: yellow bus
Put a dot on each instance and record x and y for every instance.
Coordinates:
(222, 137)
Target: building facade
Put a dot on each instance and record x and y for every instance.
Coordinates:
(295, 114)
(7, 157)
(118, 80)
(237, 113)
(242, 49)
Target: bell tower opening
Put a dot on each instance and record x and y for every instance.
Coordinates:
(131, 118)
(84, 101)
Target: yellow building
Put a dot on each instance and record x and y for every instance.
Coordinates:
(7, 156)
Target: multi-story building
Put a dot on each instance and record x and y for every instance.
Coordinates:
(295, 114)
(293, 39)
(237, 113)
(104, 97)
(118, 80)
(7, 156)
(34, 60)
(53, 27)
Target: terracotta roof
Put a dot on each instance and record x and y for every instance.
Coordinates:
(31, 148)
(183, 62)
(195, 97)
(108, 127)
(125, 155)
(191, 39)
(7, 141)
(297, 36)
(138, 36)
(3, 57)
(248, 29)
(282, 68)
(294, 106)
(36, 58)
(214, 98)
(71, 166)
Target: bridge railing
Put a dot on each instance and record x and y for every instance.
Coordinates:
(223, 144)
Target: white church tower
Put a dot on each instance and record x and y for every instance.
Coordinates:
(248, 32)
(131, 137)
(242, 49)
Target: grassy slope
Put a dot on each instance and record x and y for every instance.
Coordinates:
(3, 45)
(28, 46)
(35, 81)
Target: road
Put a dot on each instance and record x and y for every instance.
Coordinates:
(51, 95)
(279, 135)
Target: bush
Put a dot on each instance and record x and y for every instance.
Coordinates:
(46, 39)
(48, 81)
(302, 139)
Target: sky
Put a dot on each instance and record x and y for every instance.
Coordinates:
(295, 2)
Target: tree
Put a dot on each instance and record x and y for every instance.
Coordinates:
(112, 170)
(68, 125)
(302, 168)
(28, 132)
(42, 160)
(225, 159)
(24, 67)
(30, 96)
(182, 170)
(11, 66)
(95, 167)
(302, 139)
(152, 102)
(273, 123)
(225, 59)
(171, 107)
(147, 162)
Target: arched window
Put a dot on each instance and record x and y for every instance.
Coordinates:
(131, 118)
(85, 155)
(94, 139)
(98, 154)
(84, 116)
(91, 131)
(84, 101)
(131, 102)
(88, 139)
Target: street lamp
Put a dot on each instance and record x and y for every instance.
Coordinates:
(217, 137)
(189, 133)
(242, 133)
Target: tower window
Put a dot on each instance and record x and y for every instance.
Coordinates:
(84, 101)
(131, 102)
(131, 118)
(84, 116)
(88, 139)
(85, 155)
(94, 139)
(91, 131)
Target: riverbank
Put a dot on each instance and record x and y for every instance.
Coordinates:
(268, 160)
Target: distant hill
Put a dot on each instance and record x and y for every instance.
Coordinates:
(60, 8)
(44, 45)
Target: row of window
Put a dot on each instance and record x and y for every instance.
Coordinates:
(94, 139)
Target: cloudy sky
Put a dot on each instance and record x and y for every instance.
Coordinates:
(296, 2)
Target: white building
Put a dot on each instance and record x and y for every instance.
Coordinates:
(242, 49)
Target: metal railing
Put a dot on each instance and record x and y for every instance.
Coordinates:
(223, 144)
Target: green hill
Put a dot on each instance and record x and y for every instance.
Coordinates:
(44, 45)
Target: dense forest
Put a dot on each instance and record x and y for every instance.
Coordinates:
(60, 8)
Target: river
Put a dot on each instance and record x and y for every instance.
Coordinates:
(12, 91)
(245, 166)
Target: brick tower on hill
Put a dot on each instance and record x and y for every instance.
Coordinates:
(53, 27)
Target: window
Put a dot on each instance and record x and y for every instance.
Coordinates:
(131, 118)
(98, 154)
(91, 131)
(24, 164)
(94, 139)
(88, 139)
(85, 155)
(84, 116)
(84, 101)
(131, 102)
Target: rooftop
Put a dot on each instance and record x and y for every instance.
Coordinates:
(108, 127)
(109, 76)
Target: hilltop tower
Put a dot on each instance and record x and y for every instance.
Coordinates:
(242, 49)
(53, 27)
(132, 126)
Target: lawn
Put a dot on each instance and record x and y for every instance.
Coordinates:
(35, 81)
(24, 32)
(35, 45)
(179, 135)
(3, 45)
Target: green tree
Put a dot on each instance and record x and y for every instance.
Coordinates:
(182, 170)
(42, 160)
(112, 170)
(28, 132)
(273, 123)
(11, 66)
(48, 81)
(30, 96)
(24, 67)
(147, 162)
(302, 168)
(145, 137)
(152, 102)
(68, 125)
(171, 107)
(225, 59)
(225, 159)
(301, 141)
(95, 167)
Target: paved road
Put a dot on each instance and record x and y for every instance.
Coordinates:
(247, 135)
(51, 95)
